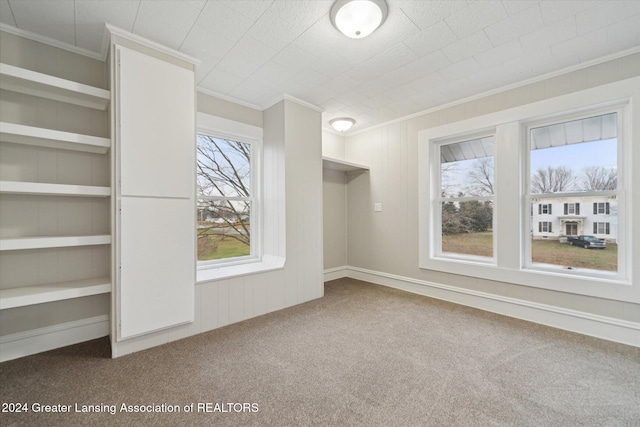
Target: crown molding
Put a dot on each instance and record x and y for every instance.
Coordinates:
(151, 44)
(302, 103)
(566, 70)
(215, 94)
(51, 42)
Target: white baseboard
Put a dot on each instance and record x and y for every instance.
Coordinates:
(35, 341)
(38, 340)
(607, 328)
(335, 273)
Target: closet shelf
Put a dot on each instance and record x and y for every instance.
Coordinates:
(43, 189)
(342, 166)
(29, 82)
(38, 294)
(52, 242)
(30, 135)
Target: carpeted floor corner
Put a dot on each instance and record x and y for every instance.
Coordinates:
(364, 355)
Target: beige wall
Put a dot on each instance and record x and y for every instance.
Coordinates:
(228, 110)
(333, 145)
(334, 195)
(388, 241)
(35, 56)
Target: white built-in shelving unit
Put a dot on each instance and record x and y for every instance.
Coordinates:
(342, 165)
(35, 84)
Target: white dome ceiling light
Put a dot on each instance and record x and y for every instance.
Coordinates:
(342, 124)
(358, 18)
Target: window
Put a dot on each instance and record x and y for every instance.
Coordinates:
(559, 156)
(601, 208)
(601, 228)
(466, 180)
(544, 209)
(226, 198)
(572, 208)
(259, 208)
(545, 227)
(572, 161)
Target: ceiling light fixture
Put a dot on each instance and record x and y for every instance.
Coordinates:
(342, 124)
(358, 18)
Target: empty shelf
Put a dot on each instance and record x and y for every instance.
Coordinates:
(44, 189)
(29, 82)
(52, 242)
(343, 166)
(38, 294)
(30, 135)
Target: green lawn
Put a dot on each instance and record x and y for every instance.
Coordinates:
(216, 246)
(553, 252)
(469, 243)
(543, 251)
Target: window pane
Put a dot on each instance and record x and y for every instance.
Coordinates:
(223, 167)
(578, 155)
(466, 168)
(224, 229)
(559, 238)
(467, 228)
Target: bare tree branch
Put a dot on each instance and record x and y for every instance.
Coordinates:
(552, 180)
(599, 178)
(481, 177)
(223, 169)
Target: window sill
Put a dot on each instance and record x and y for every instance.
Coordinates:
(212, 273)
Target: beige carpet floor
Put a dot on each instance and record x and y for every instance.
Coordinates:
(363, 355)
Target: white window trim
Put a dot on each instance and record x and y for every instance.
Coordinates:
(268, 249)
(510, 205)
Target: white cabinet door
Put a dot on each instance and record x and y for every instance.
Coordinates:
(156, 265)
(156, 112)
(155, 179)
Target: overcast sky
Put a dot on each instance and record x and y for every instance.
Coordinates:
(577, 156)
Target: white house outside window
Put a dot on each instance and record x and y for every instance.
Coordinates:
(573, 161)
(569, 157)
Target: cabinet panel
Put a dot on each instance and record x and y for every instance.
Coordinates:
(156, 112)
(157, 260)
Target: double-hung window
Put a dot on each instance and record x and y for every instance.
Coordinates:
(545, 227)
(465, 202)
(601, 228)
(227, 206)
(572, 208)
(573, 159)
(563, 168)
(601, 208)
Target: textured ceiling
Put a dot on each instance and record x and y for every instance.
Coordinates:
(426, 54)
